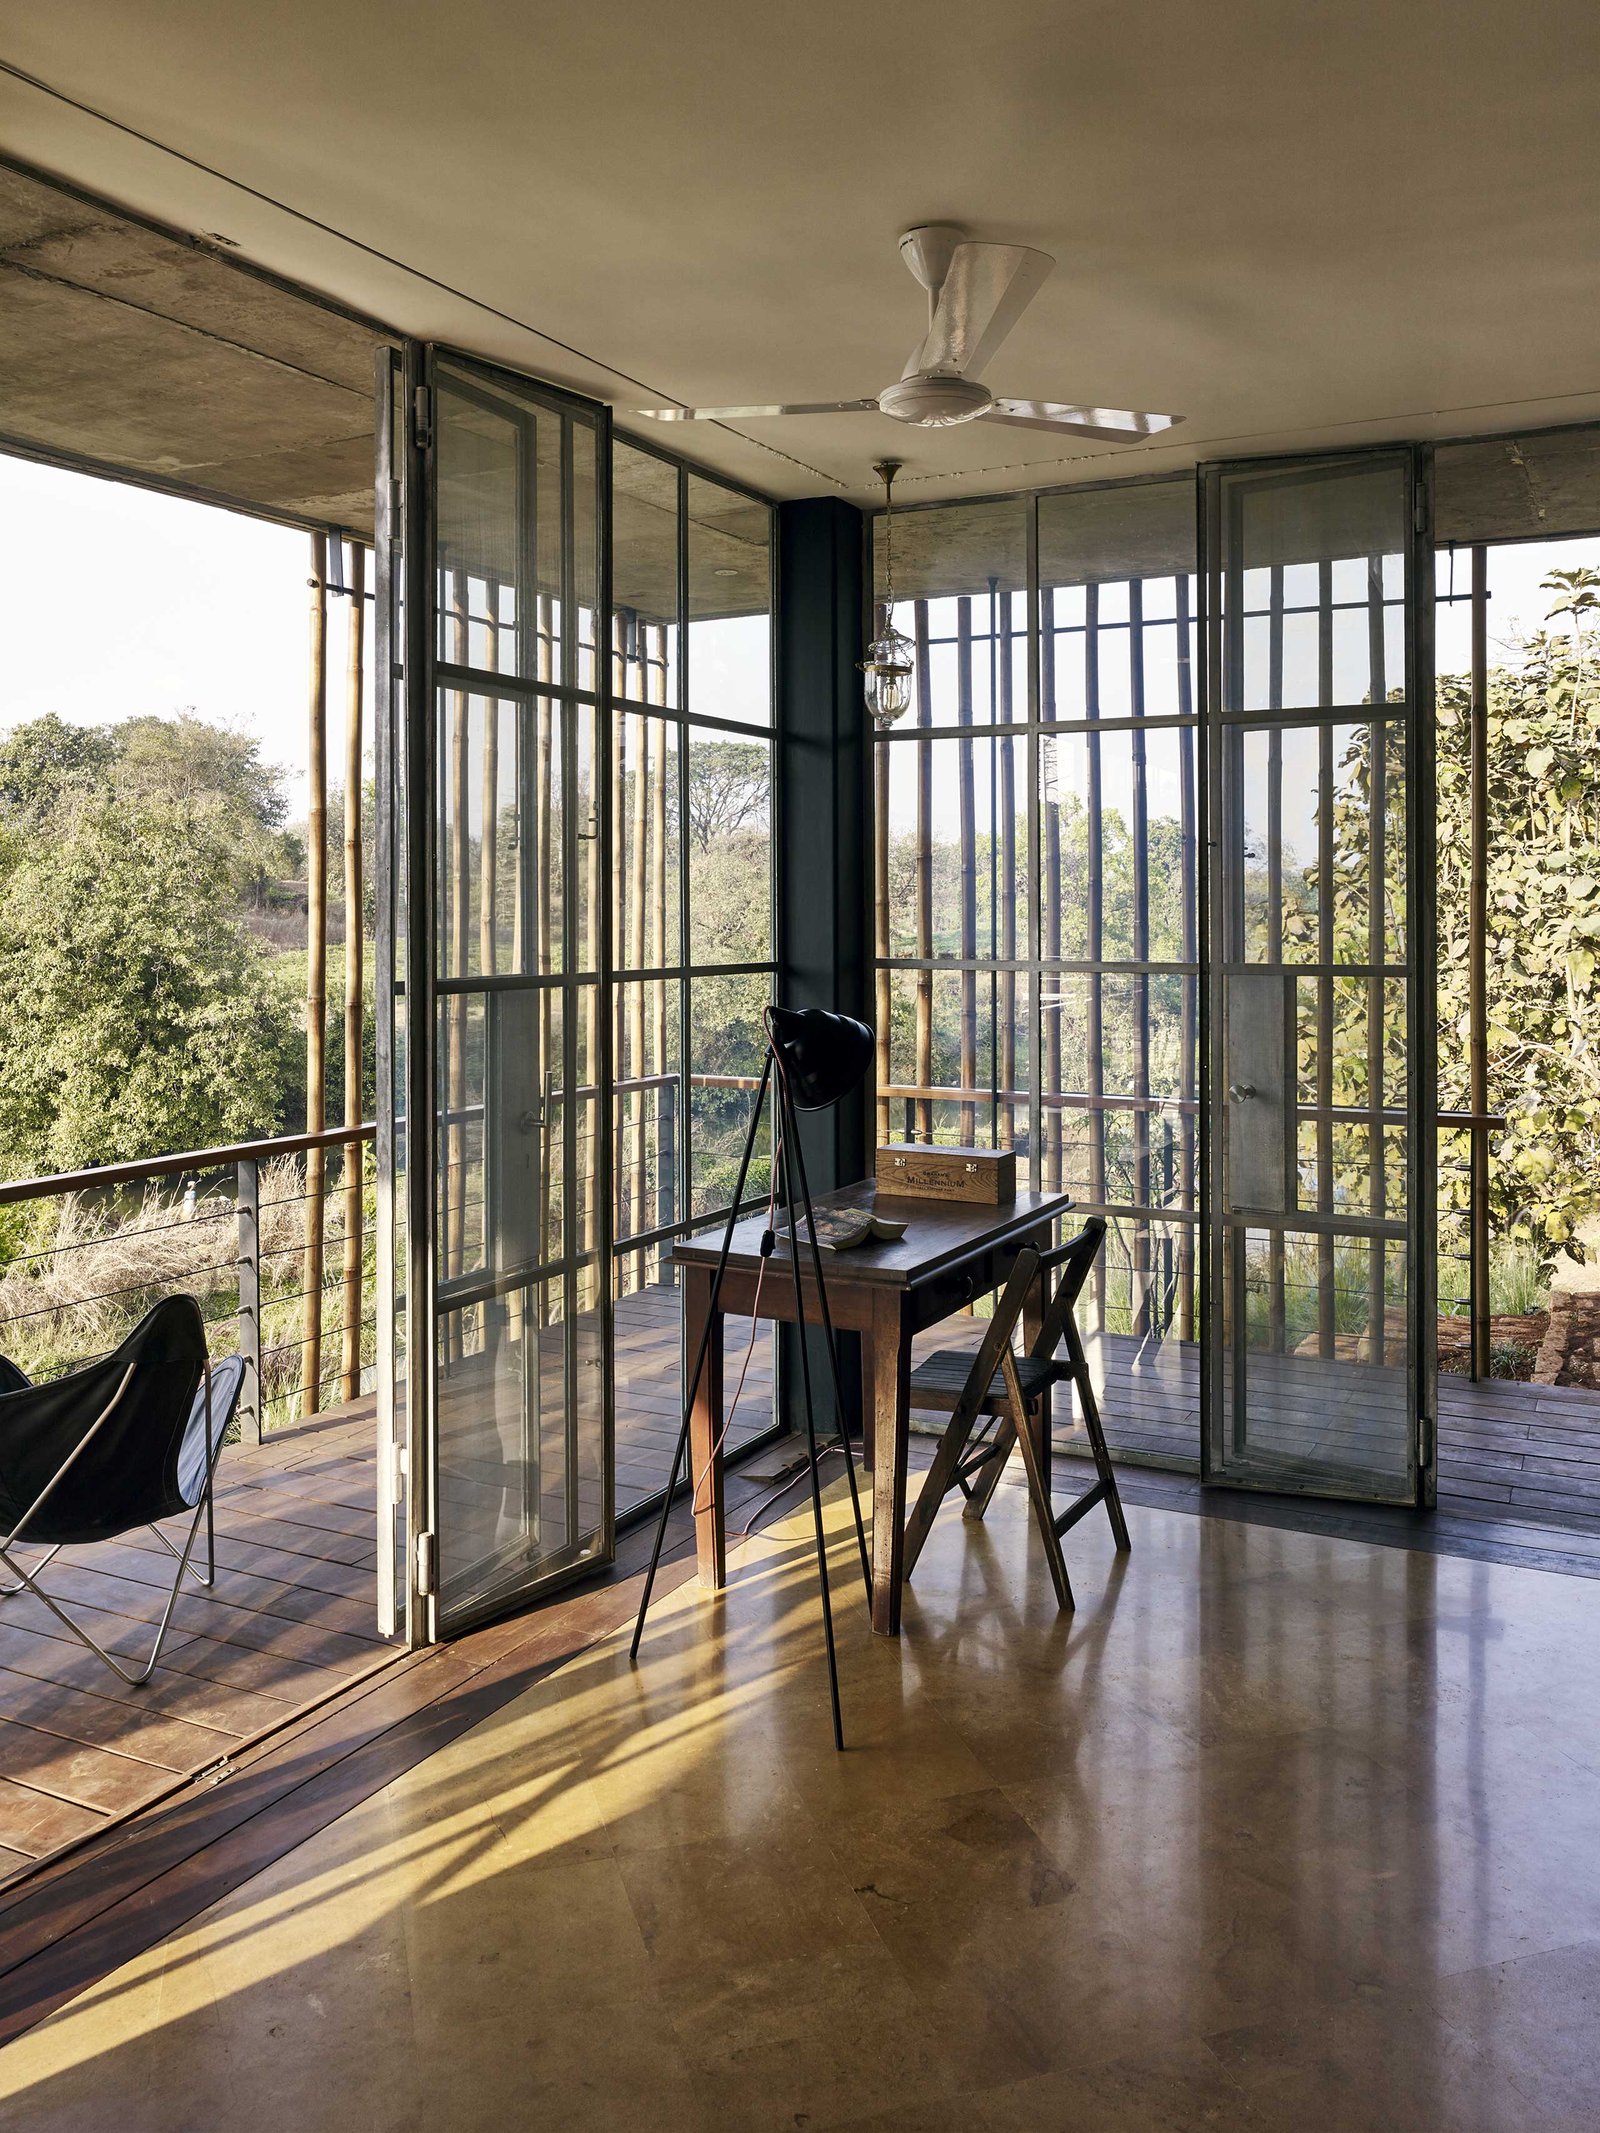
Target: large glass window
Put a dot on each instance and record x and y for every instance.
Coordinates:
(692, 924)
(1037, 892)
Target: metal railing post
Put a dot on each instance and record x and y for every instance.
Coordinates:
(247, 1199)
(667, 1157)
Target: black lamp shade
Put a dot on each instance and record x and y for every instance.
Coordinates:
(823, 1056)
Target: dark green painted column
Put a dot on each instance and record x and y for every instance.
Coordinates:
(824, 829)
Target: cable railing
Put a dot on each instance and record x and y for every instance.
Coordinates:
(1147, 1283)
(230, 1225)
(236, 1227)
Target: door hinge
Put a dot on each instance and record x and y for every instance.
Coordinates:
(1424, 1442)
(1419, 511)
(427, 1565)
(422, 418)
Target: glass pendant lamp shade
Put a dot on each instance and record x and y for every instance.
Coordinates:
(888, 664)
(887, 668)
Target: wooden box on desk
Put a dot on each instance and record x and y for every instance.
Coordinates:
(917, 1172)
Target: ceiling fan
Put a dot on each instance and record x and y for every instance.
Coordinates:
(976, 294)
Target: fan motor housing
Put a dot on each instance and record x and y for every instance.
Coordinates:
(933, 402)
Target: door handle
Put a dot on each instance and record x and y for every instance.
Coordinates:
(1240, 1091)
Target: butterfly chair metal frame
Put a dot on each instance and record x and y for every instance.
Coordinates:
(27, 1578)
(996, 1399)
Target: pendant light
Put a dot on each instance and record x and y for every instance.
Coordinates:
(887, 665)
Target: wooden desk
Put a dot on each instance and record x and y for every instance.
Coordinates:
(951, 1254)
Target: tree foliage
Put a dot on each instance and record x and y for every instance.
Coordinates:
(45, 758)
(1544, 918)
(730, 789)
(139, 1017)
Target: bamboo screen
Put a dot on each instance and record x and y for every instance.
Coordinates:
(1036, 866)
(692, 838)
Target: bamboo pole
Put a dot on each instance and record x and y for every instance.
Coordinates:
(1478, 972)
(1141, 954)
(489, 805)
(1094, 907)
(924, 856)
(969, 871)
(488, 897)
(538, 857)
(1277, 1299)
(623, 1065)
(458, 860)
(1054, 895)
(589, 1050)
(638, 905)
(354, 916)
(1327, 1322)
(883, 989)
(658, 956)
(1188, 1013)
(1377, 868)
(1009, 894)
(316, 981)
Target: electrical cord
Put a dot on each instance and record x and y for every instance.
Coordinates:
(769, 1244)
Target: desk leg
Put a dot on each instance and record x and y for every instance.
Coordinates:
(869, 1400)
(705, 1428)
(890, 1347)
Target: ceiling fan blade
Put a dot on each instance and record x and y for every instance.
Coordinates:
(749, 414)
(1121, 425)
(985, 292)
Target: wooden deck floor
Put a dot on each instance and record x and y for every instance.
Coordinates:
(293, 1617)
(1510, 1455)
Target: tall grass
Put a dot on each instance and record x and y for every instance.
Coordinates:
(85, 1268)
(1518, 1282)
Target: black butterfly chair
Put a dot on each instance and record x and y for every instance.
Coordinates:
(125, 1442)
(995, 1399)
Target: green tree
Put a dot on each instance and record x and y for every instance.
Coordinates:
(139, 1018)
(45, 758)
(1544, 918)
(218, 774)
(1543, 843)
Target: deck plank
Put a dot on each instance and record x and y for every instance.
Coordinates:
(84, 1775)
(36, 1824)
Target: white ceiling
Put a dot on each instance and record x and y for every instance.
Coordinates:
(1297, 226)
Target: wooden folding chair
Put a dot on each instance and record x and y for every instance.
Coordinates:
(997, 1398)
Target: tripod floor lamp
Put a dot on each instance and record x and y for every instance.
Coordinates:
(813, 1060)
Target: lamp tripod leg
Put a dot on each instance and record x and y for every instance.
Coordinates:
(786, 1115)
(791, 1135)
(700, 1360)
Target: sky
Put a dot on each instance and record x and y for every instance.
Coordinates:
(118, 601)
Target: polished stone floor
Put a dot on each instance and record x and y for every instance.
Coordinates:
(1278, 1832)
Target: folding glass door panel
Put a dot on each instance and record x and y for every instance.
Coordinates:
(506, 1372)
(1318, 1102)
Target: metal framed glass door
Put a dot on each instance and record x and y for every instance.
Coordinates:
(1318, 1095)
(496, 1061)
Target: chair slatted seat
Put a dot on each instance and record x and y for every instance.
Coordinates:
(938, 1382)
(996, 1399)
